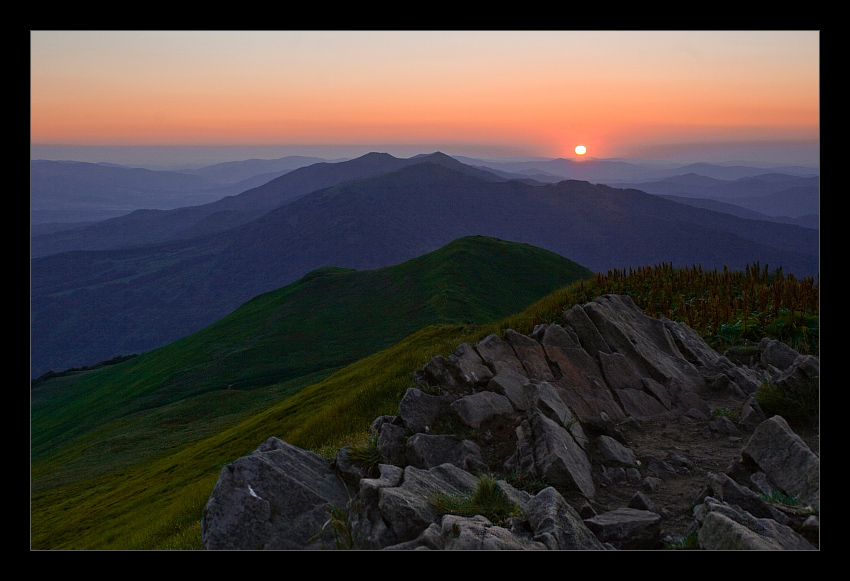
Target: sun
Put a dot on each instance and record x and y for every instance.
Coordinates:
(580, 150)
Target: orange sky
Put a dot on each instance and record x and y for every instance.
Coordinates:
(539, 92)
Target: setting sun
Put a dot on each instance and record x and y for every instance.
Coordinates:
(581, 150)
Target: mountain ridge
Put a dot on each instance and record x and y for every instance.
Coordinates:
(146, 226)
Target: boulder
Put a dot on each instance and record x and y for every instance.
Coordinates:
(724, 527)
(480, 407)
(785, 459)
(776, 353)
(614, 452)
(388, 515)
(531, 354)
(275, 498)
(557, 525)
(558, 458)
(499, 355)
(627, 528)
(418, 410)
(428, 451)
(464, 367)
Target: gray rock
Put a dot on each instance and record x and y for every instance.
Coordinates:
(396, 514)
(349, 470)
(687, 401)
(275, 498)
(559, 460)
(392, 443)
(641, 502)
(751, 415)
(801, 381)
(776, 353)
(531, 354)
(650, 483)
(726, 527)
(606, 370)
(619, 372)
(614, 452)
(658, 391)
(428, 451)
(580, 325)
(646, 342)
(640, 405)
(418, 410)
(584, 389)
(463, 368)
(725, 426)
(786, 460)
(509, 383)
(548, 399)
(480, 407)
(429, 540)
(676, 459)
(633, 476)
(723, 488)
(476, 533)
(659, 468)
(627, 528)
(499, 355)
(368, 528)
(557, 525)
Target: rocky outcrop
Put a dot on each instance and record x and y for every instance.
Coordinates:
(544, 440)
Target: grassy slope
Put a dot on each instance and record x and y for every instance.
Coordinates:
(123, 457)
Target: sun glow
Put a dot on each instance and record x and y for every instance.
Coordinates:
(580, 150)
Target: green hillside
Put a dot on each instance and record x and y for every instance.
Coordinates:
(129, 443)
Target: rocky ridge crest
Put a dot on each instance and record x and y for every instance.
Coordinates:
(623, 421)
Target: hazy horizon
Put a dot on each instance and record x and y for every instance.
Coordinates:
(202, 97)
(165, 157)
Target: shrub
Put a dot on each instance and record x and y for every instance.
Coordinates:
(797, 411)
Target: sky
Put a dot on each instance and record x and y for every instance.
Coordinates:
(206, 96)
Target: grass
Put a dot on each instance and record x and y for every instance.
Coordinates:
(367, 455)
(488, 500)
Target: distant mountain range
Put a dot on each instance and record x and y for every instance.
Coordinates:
(146, 226)
(610, 171)
(770, 194)
(367, 213)
(806, 221)
(67, 192)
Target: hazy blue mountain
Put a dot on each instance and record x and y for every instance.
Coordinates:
(627, 173)
(155, 226)
(68, 191)
(772, 194)
(89, 306)
(806, 221)
(231, 172)
(76, 192)
(736, 172)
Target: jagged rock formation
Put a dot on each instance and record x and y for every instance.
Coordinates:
(569, 407)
